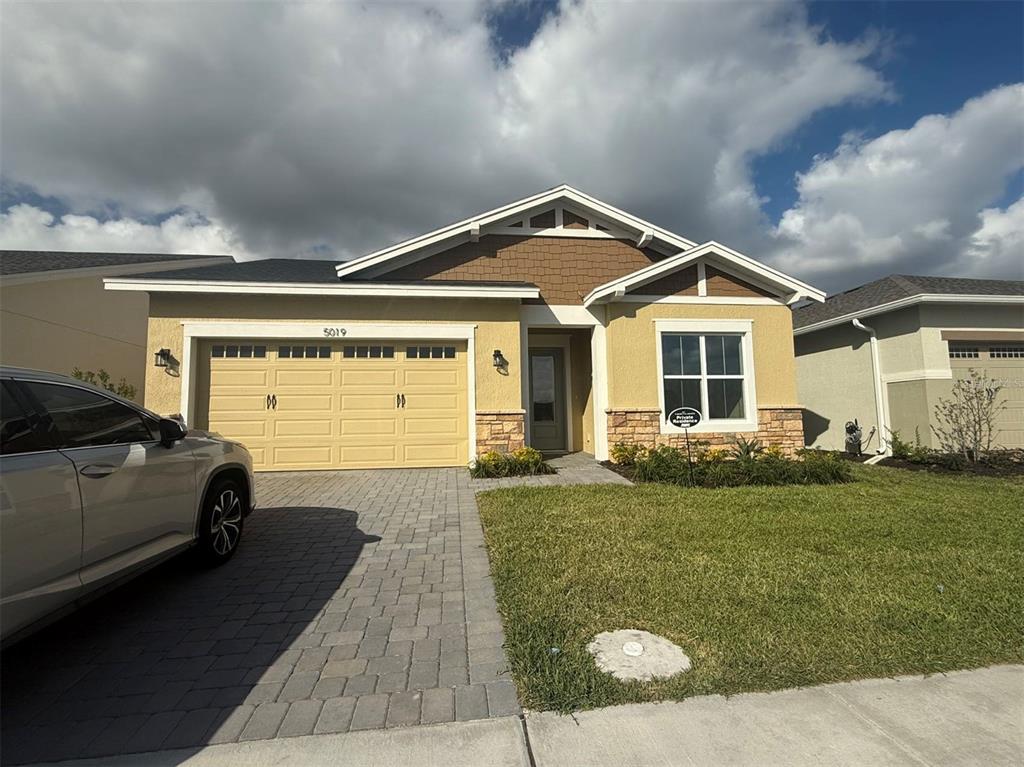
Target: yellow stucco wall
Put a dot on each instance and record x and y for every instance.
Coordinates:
(497, 327)
(58, 325)
(633, 349)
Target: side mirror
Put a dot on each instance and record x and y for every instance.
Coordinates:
(171, 431)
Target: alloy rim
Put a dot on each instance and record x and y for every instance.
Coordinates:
(226, 522)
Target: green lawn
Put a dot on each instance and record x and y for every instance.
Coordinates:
(765, 588)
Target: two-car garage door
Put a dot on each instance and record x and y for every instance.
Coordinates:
(344, 405)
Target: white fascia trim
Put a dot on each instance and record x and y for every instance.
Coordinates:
(918, 375)
(557, 315)
(309, 289)
(793, 287)
(111, 271)
(707, 426)
(635, 298)
(507, 211)
(193, 332)
(902, 303)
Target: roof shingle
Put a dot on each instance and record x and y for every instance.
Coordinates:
(897, 286)
(33, 261)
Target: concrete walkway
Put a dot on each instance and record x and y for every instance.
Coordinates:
(962, 718)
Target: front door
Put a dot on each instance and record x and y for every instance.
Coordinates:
(547, 400)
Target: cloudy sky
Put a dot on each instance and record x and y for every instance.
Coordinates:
(840, 142)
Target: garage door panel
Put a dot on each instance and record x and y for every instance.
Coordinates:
(369, 377)
(306, 379)
(435, 454)
(248, 404)
(369, 455)
(431, 377)
(354, 427)
(377, 403)
(432, 426)
(231, 373)
(422, 402)
(238, 427)
(286, 457)
(303, 428)
(303, 403)
(1009, 373)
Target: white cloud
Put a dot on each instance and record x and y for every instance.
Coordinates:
(295, 125)
(914, 201)
(24, 227)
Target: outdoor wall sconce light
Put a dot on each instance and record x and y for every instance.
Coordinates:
(162, 358)
(499, 360)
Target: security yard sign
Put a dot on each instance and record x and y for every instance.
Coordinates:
(684, 417)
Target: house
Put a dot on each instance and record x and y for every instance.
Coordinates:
(886, 352)
(55, 315)
(556, 321)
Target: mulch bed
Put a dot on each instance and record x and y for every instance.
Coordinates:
(1011, 465)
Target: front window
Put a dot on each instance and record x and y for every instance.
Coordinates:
(704, 372)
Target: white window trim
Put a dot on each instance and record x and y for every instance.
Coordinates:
(194, 331)
(743, 328)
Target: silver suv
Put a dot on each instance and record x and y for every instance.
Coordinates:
(94, 489)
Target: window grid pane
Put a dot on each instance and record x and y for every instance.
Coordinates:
(704, 372)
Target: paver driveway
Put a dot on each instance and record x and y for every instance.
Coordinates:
(357, 600)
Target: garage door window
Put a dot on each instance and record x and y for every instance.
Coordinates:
(369, 352)
(303, 352)
(244, 351)
(430, 352)
(962, 352)
(1006, 352)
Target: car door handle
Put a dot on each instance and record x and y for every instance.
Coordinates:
(97, 470)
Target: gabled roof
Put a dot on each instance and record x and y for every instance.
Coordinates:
(900, 290)
(31, 265)
(787, 287)
(645, 232)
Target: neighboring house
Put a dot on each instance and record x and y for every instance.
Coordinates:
(55, 315)
(556, 321)
(886, 352)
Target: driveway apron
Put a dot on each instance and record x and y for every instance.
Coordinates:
(357, 600)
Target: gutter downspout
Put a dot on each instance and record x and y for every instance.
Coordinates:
(876, 369)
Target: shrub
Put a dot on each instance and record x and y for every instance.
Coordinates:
(746, 449)
(914, 452)
(102, 379)
(669, 465)
(626, 453)
(965, 424)
(526, 461)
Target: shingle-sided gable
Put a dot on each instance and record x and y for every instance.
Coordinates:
(565, 269)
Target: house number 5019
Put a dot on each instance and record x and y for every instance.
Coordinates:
(334, 332)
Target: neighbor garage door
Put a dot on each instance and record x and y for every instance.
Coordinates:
(348, 405)
(1003, 362)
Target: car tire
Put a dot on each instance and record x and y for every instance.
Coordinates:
(220, 524)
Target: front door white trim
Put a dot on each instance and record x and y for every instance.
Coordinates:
(325, 331)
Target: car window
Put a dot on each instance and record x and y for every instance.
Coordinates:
(84, 419)
(16, 432)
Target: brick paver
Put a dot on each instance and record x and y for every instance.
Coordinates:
(358, 600)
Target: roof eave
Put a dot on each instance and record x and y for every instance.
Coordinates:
(113, 270)
(374, 289)
(902, 303)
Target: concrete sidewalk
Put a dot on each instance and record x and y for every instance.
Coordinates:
(962, 718)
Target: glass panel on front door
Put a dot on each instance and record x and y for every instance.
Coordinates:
(543, 388)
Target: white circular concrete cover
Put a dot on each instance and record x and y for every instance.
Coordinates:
(637, 656)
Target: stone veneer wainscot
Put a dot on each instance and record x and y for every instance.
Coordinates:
(780, 426)
(501, 430)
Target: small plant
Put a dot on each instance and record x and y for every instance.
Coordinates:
(773, 451)
(747, 449)
(714, 455)
(102, 379)
(526, 461)
(627, 453)
(965, 424)
(914, 452)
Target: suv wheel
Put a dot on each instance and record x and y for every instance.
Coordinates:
(220, 526)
